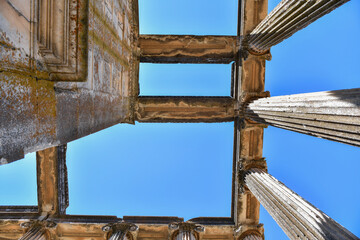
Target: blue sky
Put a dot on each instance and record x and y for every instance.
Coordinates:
(185, 169)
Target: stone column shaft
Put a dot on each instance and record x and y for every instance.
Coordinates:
(34, 233)
(252, 237)
(119, 235)
(333, 115)
(287, 18)
(297, 217)
(185, 235)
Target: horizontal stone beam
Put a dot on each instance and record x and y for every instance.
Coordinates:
(96, 228)
(333, 115)
(185, 109)
(287, 18)
(188, 49)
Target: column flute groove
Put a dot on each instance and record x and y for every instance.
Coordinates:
(332, 115)
(297, 217)
(288, 17)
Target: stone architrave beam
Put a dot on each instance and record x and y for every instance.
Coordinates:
(188, 48)
(333, 115)
(297, 217)
(52, 180)
(185, 109)
(287, 18)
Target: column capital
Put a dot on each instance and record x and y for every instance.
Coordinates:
(246, 50)
(244, 230)
(177, 228)
(37, 229)
(244, 165)
(119, 231)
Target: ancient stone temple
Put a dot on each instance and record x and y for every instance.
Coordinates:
(70, 68)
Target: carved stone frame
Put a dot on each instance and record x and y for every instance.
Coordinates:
(62, 37)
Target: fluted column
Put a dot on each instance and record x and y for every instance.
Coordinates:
(287, 18)
(119, 235)
(252, 237)
(185, 235)
(35, 233)
(333, 115)
(297, 217)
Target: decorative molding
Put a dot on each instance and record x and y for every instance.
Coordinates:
(62, 38)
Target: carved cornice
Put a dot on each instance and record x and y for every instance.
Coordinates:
(62, 38)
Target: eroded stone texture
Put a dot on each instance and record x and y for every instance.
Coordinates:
(96, 46)
(188, 49)
(185, 109)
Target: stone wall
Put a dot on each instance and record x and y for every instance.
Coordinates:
(68, 69)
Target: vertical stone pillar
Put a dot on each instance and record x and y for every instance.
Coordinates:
(185, 235)
(287, 18)
(35, 233)
(333, 115)
(297, 217)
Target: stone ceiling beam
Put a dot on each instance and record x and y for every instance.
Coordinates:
(188, 49)
(333, 115)
(185, 109)
(288, 17)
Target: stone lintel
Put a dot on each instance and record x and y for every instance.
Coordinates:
(188, 49)
(186, 109)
